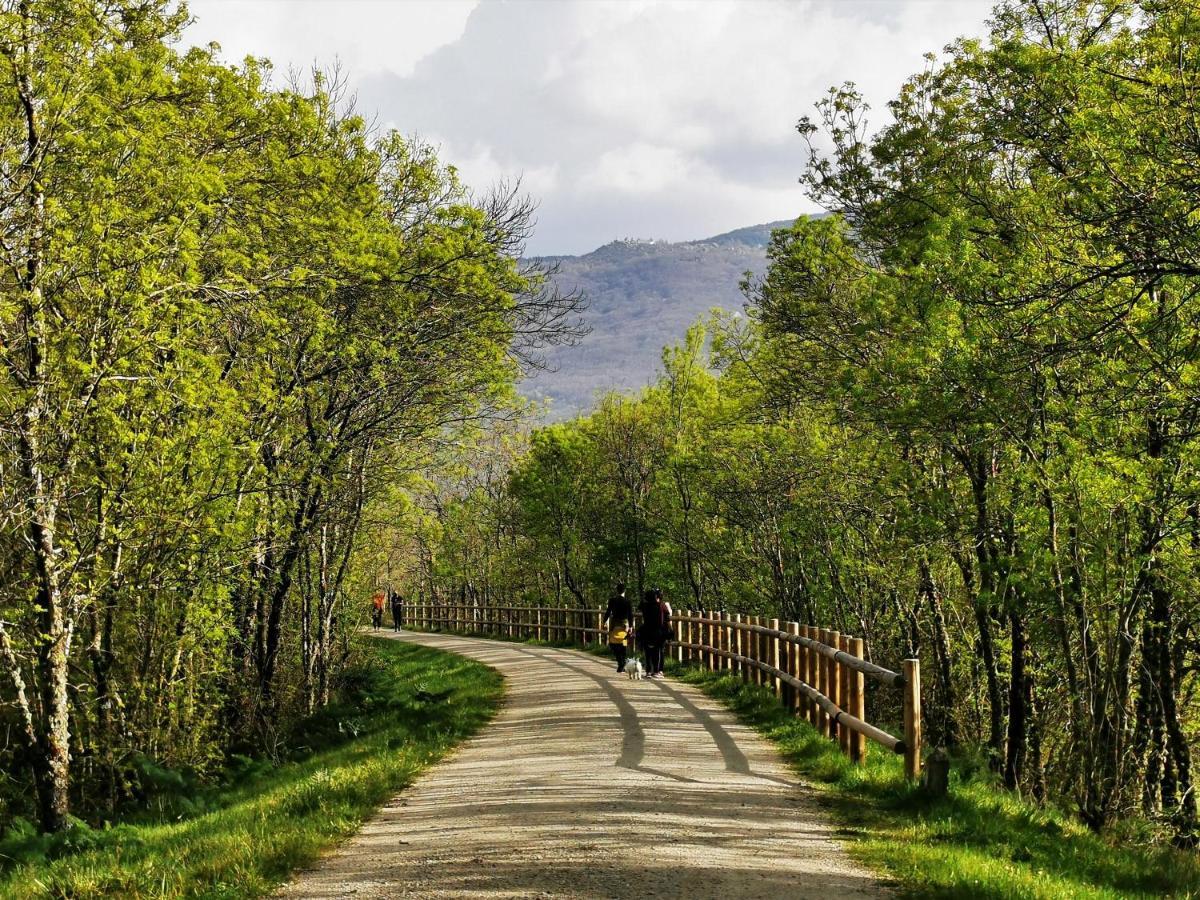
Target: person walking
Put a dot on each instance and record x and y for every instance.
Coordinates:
(618, 621)
(377, 610)
(397, 611)
(656, 628)
(668, 631)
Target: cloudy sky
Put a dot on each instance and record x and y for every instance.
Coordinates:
(632, 118)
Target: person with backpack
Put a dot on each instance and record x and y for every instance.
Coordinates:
(618, 620)
(397, 611)
(655, 631)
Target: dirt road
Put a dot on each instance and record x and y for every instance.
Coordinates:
(590, 785)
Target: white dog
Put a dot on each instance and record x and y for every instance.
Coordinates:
(633, 668)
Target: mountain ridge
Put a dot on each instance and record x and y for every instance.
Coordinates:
(642, 295)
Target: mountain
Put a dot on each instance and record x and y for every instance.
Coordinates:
(642, 296)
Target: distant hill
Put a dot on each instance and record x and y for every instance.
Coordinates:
(642, 296)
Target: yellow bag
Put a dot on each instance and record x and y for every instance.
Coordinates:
(618, 634)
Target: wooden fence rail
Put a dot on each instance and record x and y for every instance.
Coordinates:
(818, 673)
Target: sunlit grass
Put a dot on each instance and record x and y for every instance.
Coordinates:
(411, 705)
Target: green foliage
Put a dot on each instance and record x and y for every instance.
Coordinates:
(232, 314)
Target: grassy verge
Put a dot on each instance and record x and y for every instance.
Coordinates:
(405, 710)
(979, 842)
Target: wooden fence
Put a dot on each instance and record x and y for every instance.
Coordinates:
(818, 673)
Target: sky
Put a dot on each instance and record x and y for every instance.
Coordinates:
(624, 119)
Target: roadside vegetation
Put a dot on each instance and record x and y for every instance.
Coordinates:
(979, 841)
(235, 318)
(401, 708)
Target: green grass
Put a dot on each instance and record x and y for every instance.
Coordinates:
(979, 841)
(405, 710)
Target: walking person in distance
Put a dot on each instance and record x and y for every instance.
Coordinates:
(377, 610)
(618, 620)
(397, 611)
(654, 631)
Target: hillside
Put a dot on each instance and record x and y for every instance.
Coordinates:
(642, 296)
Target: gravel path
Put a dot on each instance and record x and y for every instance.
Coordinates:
(590, 785)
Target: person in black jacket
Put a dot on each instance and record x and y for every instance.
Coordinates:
(656, 628)
(618, 621)
(397, 611)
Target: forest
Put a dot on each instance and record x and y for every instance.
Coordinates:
(233, 315)
(959, 417)
(258, 358)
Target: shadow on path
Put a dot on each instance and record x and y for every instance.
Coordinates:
(536, 805)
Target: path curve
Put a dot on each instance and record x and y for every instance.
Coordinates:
(589, 785)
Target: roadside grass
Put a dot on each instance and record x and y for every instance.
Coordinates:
(979, 841)
(403, 710)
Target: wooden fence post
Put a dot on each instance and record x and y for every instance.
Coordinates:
(750, 648)
(737, 636)
(912, 718)
(725, 640)
(835, 680)
(720, 631)
(689, 635)
(823, 675)
(693, 636)
(764, 650)
(858, 703)
(719, 636)
(814, 677)
(760, 652)
(844, 694)
(776, 657)
(803, 675)
(711, 640)
(715, 635)
(791, 696)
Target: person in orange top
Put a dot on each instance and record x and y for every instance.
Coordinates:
(377, 610)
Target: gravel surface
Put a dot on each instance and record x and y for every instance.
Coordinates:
(590, 785)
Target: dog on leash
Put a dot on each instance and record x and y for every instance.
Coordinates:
(633, 668)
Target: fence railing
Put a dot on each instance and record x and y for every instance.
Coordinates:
(818, 673)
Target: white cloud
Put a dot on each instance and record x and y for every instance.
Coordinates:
(366, 35)
(663, 119)
(641, 168)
